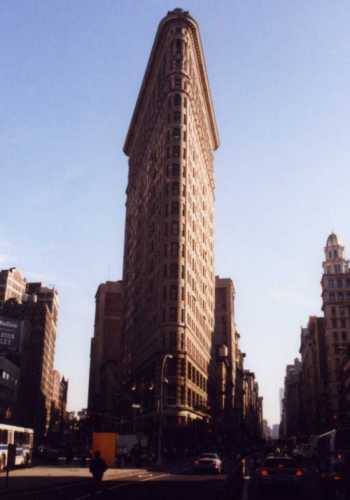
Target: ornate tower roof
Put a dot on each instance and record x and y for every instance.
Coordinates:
(335, 261)
(332, 240)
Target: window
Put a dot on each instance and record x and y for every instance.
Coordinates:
(178, 47)
(174, 228)
(176, 133)
(172, 314)
(173, 292)
(175, 188)
(176, 151)
(177, 100)
(3, 437)
(175, 171)
(175, 208)
(174, 249)
(174, 270)
(344, 336)
(177, 116)
(189, 397)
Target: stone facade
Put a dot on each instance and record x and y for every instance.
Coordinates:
(168, 269)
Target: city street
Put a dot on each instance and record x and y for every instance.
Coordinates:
(142, 484)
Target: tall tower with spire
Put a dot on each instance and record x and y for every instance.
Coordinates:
(336, 307)
(168, 270)
(335, 262)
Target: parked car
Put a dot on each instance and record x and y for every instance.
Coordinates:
(280, 471)
(208, 462)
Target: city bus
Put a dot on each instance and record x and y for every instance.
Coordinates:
(22, 437)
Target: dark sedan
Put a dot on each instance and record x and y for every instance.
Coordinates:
(283, 472)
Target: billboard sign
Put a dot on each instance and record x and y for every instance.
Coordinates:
(9, 335)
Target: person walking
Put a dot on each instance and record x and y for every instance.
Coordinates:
(98, 467)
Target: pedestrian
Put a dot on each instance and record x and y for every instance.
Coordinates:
(235, 480)
(98, 467)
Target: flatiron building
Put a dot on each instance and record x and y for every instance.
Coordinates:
(168, 270)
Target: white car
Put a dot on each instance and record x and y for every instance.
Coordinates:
(208, 462)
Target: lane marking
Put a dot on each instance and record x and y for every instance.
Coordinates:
(84, 497)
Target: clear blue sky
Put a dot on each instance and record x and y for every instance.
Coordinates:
(280, 78)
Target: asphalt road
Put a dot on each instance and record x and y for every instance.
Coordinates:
(140, 485)
(168, 485)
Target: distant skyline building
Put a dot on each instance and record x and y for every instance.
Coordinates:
(29, 344)
(226, 347)
(317, 402)
(314, 377)
(292, 409)
(105, 354)
(168, 271)
(336, 307)
(12, 285)
(59, 393)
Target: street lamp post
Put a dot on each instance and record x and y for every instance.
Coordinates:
(161, 389)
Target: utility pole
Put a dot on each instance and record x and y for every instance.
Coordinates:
(161, 391)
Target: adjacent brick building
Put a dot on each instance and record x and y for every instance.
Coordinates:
(314, 404)
(105, 355)
(225, 344)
